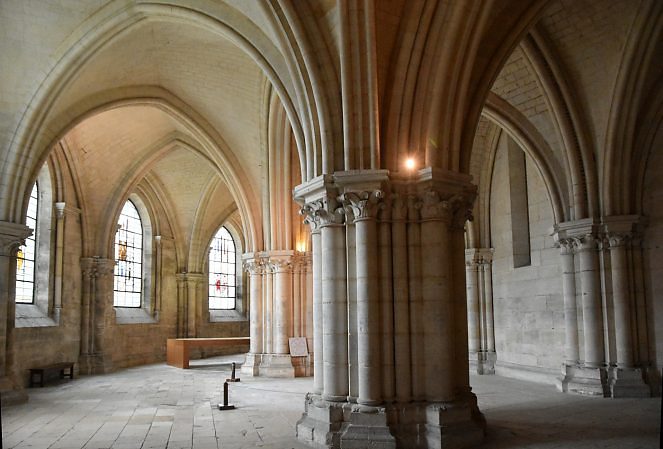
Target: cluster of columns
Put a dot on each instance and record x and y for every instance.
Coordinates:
(191, 305)
(480, 319)
(96, 315)
(603, 352)
(12, 236)
(389, 306)
(280, 298)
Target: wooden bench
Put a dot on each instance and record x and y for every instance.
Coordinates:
(177, 349)
(66, 370)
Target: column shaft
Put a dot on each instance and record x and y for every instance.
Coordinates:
(368, 314)
(416, 322)
(486, 267)
(334, 311)
(403, 366)
(386, 311)
(473, 314)
(591, 304)
(437, 311)
(570, 308)
(282, 307)
(624, 340)
(318, 322)
(268, 335)
(255, 310)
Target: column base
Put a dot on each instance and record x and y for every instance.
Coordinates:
(579, 379)
(11, 392)
(251, 365)
(94, 364)
(482, 362)
(627, 383)
(276, 365)
(335, 425)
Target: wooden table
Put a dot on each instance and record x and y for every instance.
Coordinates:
(177, 349)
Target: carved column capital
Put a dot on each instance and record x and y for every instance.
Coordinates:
(12, 236)
(310, 213)
(88, 267)
(362, 205)
(105, 267)
(59, 210)
(617, 239)
(587, 242)
(323, 212)
(433, 207)
(255, 267)
(280, 264)
(566, 246)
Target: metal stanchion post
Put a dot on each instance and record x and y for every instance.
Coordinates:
(225, 405)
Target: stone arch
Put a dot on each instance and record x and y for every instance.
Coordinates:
(630, 92)
(296, 81)
(205, 142)
(529, 139)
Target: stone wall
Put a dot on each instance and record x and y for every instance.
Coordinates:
(653, 256)
(528, 305)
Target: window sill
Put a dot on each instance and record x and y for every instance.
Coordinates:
(30, 315)
(124, 315)
(219, 316)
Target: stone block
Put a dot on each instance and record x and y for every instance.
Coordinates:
(627, 383)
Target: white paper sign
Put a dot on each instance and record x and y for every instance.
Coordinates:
(298, 347)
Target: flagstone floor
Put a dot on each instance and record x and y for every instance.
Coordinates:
(158, 406)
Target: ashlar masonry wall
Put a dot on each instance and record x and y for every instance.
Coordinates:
(527, 301)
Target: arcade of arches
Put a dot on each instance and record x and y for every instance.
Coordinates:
(524, 239)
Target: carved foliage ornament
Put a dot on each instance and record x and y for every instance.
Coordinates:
(323, 212)
(362, 205)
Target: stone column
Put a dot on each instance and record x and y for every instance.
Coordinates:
(402, 362)
(626, 380)
(104, 315)
(473, 313)
(414, 291)
(588, 376)
(438, 316)
(97, 315)
(309, 328)
(158, 277)
(182, 306)
(318, 324)
(59, 260)
(282, 269)
(386, 301)
(621, 300)
(487, 298)
(297, 310)
(276, 362)
(87, 314)
(364, 207)
(334, 303)
(268, 309)
(591, 302)
(254, 266)
(570, 307)
(195, 307)
(12, 236)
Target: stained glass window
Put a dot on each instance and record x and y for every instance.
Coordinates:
(222, 266)
(25, 258)
(127, 282)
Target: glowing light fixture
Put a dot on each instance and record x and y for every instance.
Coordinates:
(409, 163)
(301, 246)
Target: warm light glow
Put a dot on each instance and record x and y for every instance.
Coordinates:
(409, 163)
(301, 246)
